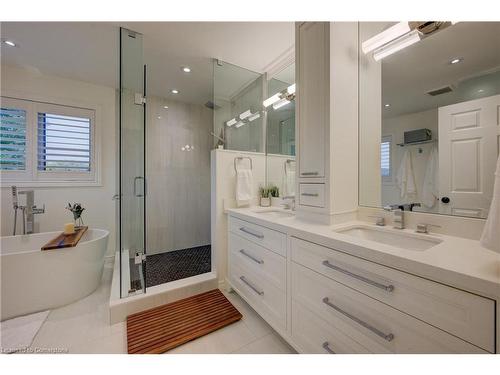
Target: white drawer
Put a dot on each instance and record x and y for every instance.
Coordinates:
(268, 300)
(460, 313)
(269, 238)
(260, 260)
(312, 195)
(378, 326)
(313, 335)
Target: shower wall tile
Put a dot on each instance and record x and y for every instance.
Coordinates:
(178, 201)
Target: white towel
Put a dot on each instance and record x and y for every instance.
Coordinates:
(430, 191)
(244, 183)
(405, 178)
(289, 183)
(491, 232)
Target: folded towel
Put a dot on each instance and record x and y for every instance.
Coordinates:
(405, 178)
(491, 232)
(430, 191)
(244, 182)
(289, 183)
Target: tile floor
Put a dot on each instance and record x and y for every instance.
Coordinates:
(82, 327)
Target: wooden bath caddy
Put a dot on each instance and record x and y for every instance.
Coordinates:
(66, 240)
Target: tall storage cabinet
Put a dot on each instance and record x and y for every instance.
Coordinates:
(327, 80)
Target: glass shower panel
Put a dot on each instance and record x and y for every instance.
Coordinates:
(238, 115)
(132, 164)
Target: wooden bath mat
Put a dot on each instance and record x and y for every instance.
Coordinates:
(163, 328)
(63, 240)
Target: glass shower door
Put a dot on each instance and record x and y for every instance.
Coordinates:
(132, 164)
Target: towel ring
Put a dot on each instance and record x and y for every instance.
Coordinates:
(287, 161)
(241, 158)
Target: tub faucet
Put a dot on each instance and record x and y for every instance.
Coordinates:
(28, 212)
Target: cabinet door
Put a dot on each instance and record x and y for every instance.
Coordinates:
(313, 97)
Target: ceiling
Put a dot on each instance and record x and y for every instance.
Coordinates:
(410, 73)
(88, 51)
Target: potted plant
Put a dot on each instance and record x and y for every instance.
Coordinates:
(274, 193)
(265, 200)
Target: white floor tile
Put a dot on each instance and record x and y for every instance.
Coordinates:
(269, 344)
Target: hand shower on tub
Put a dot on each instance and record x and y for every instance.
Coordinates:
(16, 206)
(28, 211)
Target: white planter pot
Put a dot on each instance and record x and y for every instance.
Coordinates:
(265, 202)
(276, 201)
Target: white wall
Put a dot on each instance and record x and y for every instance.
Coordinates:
(100, 208)
(396, 126)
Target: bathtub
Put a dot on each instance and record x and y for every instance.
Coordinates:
(33, 280)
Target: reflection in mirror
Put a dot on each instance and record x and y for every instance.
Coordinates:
(429, 116)
(238, 117)
(280, 133)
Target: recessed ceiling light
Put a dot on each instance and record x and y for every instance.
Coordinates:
(186, 69)
(159, 117)
(456, 60)
(165, 106)
(480, 90)
(387, 105)
(174, 91)
(10, 43)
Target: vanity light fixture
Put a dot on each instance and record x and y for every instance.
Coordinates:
(231, 122)
(174, 91)
(291, 89)
(273, 99)
(245, 114)
(386, 36)
(10, 43)
(239, 124)
(165, 106)
(281, 103)
(456, 60)
(397, 45)
(387, 105)
(186, 69)
(254, 116)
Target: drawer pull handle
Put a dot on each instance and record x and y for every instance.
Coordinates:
(252, 233)
(260, 261)
(309, 173)
(310, 194)
(385, 336)
(259, 292)
(387, 288)
(326, 346)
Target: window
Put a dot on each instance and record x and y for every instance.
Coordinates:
(385, 156)
(46, 144)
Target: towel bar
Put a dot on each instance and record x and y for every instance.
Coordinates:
(241, 158)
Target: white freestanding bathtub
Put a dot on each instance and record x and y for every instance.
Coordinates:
(34, 280)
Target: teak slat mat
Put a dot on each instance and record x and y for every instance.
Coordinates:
(162, 328)
(64, 240)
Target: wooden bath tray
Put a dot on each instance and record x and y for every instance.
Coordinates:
(63, 240)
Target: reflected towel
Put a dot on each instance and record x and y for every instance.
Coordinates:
(491, 232)
(405, 178)
(430, 191)
(244, 182)
(289, 183)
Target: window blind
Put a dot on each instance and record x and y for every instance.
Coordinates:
(64, 143)
(12, 139)
(385, 157)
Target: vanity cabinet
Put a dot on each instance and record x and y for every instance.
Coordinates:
(325, 300)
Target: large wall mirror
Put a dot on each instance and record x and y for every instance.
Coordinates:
(429, 115)
(280, 131)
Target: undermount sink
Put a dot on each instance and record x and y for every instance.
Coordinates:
(391, 237)
(275, 213)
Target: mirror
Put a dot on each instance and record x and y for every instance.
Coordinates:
(280, 133)
(429, 117)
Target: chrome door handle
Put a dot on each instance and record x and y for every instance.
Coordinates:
(137, 178)
(387, 288)
(310, 194)
(260, 261)
(252, 233)
(326, 346)
(385, 336)
(309, 173)
(249, 284)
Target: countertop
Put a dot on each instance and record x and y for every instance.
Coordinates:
(456, 261)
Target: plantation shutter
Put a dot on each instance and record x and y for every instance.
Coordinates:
(12, 139)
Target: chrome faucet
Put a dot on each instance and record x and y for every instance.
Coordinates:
(29, 211)
(398, 219)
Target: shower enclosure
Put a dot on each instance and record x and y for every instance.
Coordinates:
(164, 178)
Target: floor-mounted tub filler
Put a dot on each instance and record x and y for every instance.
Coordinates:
(33, 280)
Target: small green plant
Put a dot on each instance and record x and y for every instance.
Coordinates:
(264, 192)
(274, 191)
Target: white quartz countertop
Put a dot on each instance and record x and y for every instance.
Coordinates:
(456, 261)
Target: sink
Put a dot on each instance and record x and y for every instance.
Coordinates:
(275, 213)
(391, 237)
